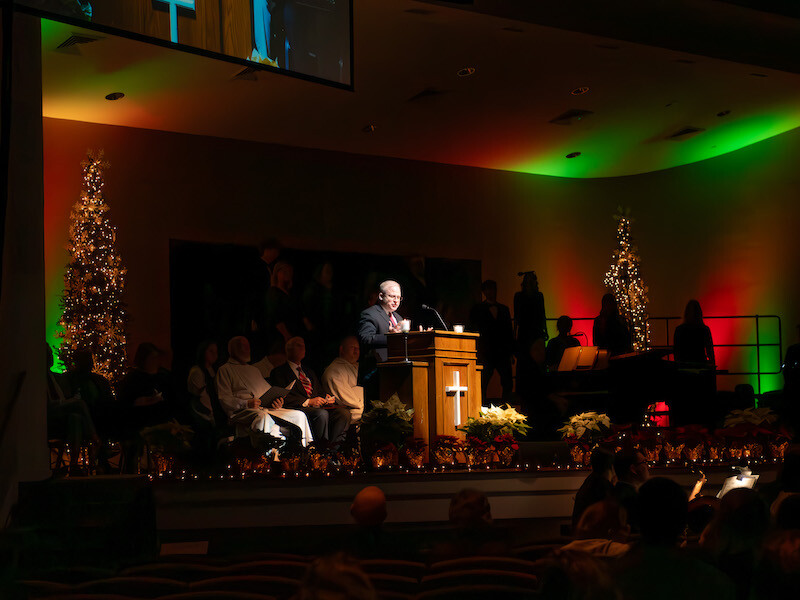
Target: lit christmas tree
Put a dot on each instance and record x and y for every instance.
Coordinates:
(626, 283)
(94, 317)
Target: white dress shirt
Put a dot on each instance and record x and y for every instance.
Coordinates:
(341, 380)
(237, 383)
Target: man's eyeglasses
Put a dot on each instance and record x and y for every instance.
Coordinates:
(392, 297)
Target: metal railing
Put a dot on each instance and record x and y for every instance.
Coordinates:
(758, 345)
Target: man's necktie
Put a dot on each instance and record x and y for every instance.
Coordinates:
(392, 320)
(305, 381)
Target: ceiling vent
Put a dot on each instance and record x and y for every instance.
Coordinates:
(426, 94)
(571, 117)
(70, 45)
(685, 133)
(246, 74)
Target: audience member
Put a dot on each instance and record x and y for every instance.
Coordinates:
(598, 486)
(734, 539)
(200, 384)
(473, 530)
(340, 379)
(602, 530)
(492, 321)
(147, 391)
(787, 482)
(240, 388)
(576, 575)
(269, 250)
(328, 421)
(610, 331)
(335, 577)
(791, 370)
(368, 539)
(321, 311)
(557, 345)
(632, 471)
(693, 342)
(788, 513)
(656, 568)
(268, 359)
(67, 414)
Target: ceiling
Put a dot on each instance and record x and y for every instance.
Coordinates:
(407, 55)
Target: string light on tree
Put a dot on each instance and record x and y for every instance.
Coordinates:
(625, 282)
(94, 317)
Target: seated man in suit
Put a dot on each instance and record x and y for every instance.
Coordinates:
(328, 421)
(341, 379)
(240, 387)
(379, 319)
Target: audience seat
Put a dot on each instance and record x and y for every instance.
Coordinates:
(36, 588)
(217, 596)
(137, 587)
(479, 592)
(185, 572)
(75, 574)
(499, 563)
(536, 551)
(243, 558)
(292, 569)
(254, 584)
(89, 596)
(404, 568)
(394, 583)
(480, 577)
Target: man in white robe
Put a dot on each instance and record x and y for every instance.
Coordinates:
(340, 379)
(240, 387)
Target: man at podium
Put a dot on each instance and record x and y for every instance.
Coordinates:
(379, 319)
(373, 325)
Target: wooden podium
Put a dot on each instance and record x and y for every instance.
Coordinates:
(441, 381)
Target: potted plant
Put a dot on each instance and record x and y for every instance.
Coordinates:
(163, 443)
(414, 449)
(582, 432)
(445, 448)
(505, 445)
(750, 430)
(478, 452)
(493, 422)
(384, 428)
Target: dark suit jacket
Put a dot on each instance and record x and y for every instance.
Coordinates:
(497, 334)
(283, 376)
(372, 329)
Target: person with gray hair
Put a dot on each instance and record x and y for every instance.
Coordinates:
(240, 388)
(379, 319)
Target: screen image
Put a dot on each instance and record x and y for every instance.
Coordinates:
(305, 37)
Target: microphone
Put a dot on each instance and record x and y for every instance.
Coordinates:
(436, 312)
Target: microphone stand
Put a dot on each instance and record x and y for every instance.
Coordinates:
(438, 316)
(405, 349)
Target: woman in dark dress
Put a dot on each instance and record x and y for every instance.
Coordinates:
(610, 331)
(693, 342)
(146, 392)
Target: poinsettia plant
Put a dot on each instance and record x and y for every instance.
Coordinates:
(587, 428)
(448, 442)
(477, 444)
(494, 421)
(170, 437)
(753, 421)
(388, 422)
(415, 444)
(505, 440)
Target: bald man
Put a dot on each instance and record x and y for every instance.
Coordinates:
(369, 507)
(340, 379)
(328, 421)
(240, 387)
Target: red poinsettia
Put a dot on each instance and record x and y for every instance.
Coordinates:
(505, 440)
(415, 444)
(477, 443)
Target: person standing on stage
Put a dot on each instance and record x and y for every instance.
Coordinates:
(373, 325)
(530, 325)
(693, 342)
(379, 319)
(609, 330)
(492, 321)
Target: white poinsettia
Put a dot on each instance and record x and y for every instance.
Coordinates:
(751, 416)
(395, 407)
(497, 415)
(585, 423)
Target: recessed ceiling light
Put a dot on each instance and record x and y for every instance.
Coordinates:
(578, 91)
(466, 72)
(115, 96)
(573, 154)
(723, 113)
(370, 128)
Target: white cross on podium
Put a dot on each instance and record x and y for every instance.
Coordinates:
(173, 15)
(456, 390)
